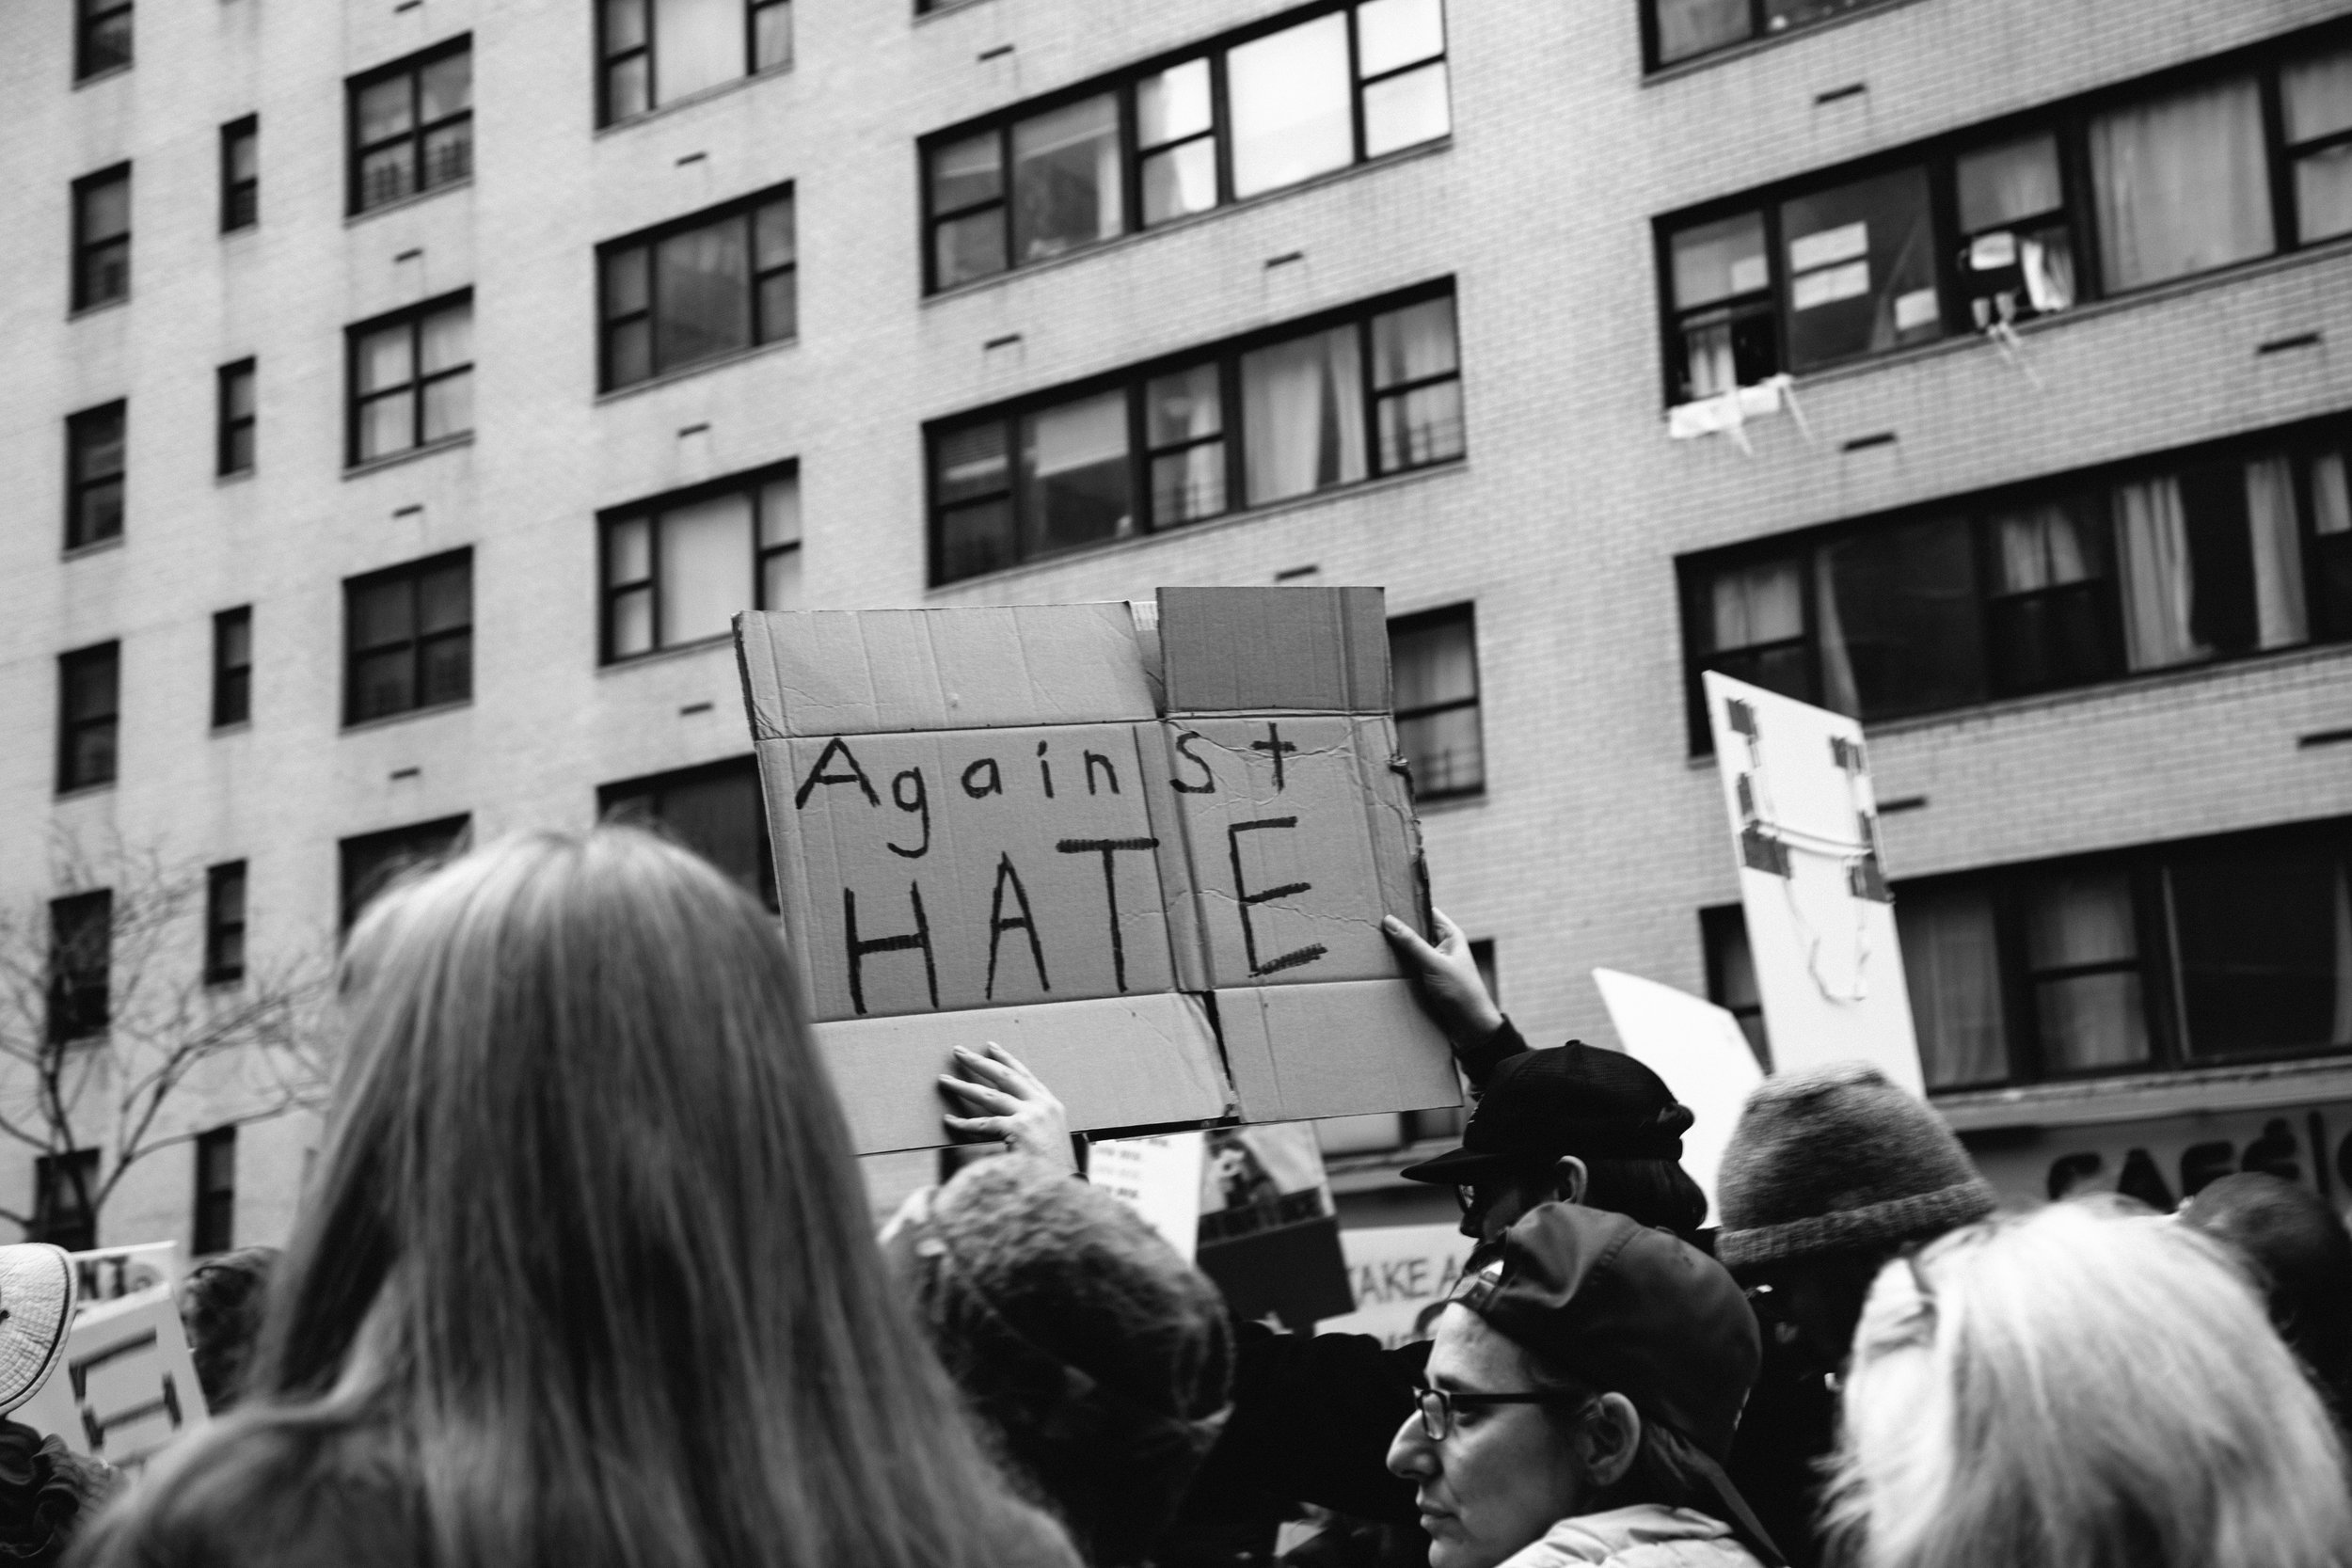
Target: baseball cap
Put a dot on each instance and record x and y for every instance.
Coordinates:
(1635, 1312)
(1579, 1099)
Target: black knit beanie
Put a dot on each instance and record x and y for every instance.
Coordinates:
(1837, 1159)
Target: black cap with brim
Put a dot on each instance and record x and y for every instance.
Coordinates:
(1543, 1105)
(1457, 1165)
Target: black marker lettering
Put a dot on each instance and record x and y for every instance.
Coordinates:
(1095, 759)
(999, 924)
(858, 950)
(817, 775)
(1208, 774)
(1106, 847)
(996, 781)
(922, 802)
(1044, 769)
(1249, 934)
(1275, 744)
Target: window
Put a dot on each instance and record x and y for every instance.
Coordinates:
(714, 284)
(101, 237)
(715, 810)
(1223, 122)
(94, 441)
(2219, 950)
(2217, 552)
(1682, 29)
(65, 1192)
(224, 923)
(216, 1191)
(659, 50)
(101, 36)
(1433, 662)
(80, 953)
(88, 686)
(411, 378)
(371, 862)
(232, 667)
(676, 568)
(408, 637)
(2092, 198)
(240, 174)
(412, 125)
(1368, 391)
(233, 442)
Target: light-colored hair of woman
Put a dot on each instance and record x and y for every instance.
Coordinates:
(2085, 1387)
(587, 1243)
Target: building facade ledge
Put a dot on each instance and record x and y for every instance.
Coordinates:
(700, 367)
(384, 721)
(411, 199)
(2143, 1097)
(693, 100)
(393, 460)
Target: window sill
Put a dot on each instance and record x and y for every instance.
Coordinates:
(377, 465)
(106, 76)
(241, 727)
(96, 546)
(1241, 518)
(1450, 801)
(2139, 1096)
(411, 199)
(953, 8)
(659, 655)
(84, 312)
(385, 721)
(1190, 220)
(224, 982)
(733, 357)
(1750, 48)
(83, 792)
(693, 100)
(243, 476)
(2152, 680)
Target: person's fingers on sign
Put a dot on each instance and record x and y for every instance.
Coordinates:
(1446, 979)
(1009, 1102)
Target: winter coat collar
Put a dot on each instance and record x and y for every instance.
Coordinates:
(1637, 1537)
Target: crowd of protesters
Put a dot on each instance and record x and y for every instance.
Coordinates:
(585, 1276)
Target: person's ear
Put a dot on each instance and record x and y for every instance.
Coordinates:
(1611, 1438)
(1570, 1178)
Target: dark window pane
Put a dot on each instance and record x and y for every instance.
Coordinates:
(1951, 963)
(773, 239)
(2264, 937)
(1687, 27)
(1065, 177)
(975, 539)
(1900, 631)
(1861, 269)
(2081, 944)
(771, 35)
(1444, 751)
(372, 861)
(970, 246)
(447, 154)
(1717, 260)
(967, 172)
(383, 683)
(701, 293)
(779, 308)
(445, 598)
(446, 85)
(447, 670)
(1421, 426)
(972, 462)
(2052, 624)
(387, 175)
(715, 810)
(1752, 626)
(632, 352)
(1074, 474)
(627, 87)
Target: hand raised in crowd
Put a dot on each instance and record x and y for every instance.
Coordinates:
(1446, 979)
(1012, 1102)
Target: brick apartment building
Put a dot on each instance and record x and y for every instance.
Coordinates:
(403, 393)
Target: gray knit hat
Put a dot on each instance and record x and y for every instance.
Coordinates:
(1837, 1159)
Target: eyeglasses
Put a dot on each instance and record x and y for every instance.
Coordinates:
(1439, 1404)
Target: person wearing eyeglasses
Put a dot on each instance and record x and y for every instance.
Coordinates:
(1579, 1403)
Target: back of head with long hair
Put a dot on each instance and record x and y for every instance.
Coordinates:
(587, 1240)
(2081, 1387)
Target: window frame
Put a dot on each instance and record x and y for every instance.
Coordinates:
(623, 800)
(82, 1167)
(414, 317)
(418, 643)
(391, 852)
(2069, 120)
(1465, 612)
(608, 58)
(2303, 444)
(80, 483)
(753, 484)
(232, 678)
(1122, 83)
(240, 195)
(228, 425)
(1132, 380)
(355, 152)
(1761, 30)
(80, 998)
(70, 728)
(89, 17)
(214, 1214)
(223, 925)
(87, 250)
(744, 210)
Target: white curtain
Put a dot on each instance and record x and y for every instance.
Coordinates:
(1302, 415)
(696, 44)
(705, 568)
(2182, 183)
(2088, 1021)
(1762, 603)
(1838, 691)
(1952, 965)
(2279, 608)
(2152, 538)
(2040, 549)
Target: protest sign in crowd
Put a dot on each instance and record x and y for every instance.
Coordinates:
(584, 1273)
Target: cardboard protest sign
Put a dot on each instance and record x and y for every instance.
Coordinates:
(1398, 1274)
(1269, 1231)
(109, 1274)
(1144, 848)
(1701, 1053)
(1821, 920)
(126, 1386)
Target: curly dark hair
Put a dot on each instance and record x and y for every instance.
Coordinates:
(220, 1307)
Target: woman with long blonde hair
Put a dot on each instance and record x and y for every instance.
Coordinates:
(2086, 1386)
(585, 1276)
